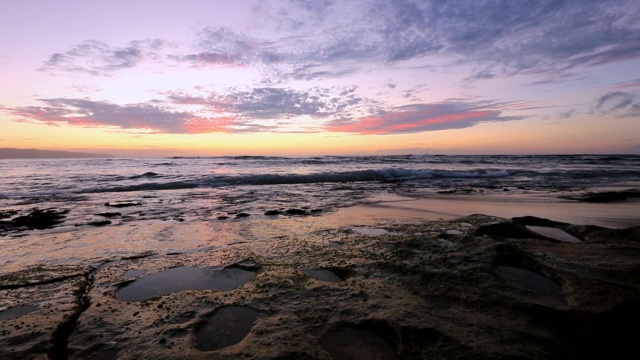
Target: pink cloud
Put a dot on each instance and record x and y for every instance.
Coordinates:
(421, 117)
(88, 113)
(209, 125)
(629, 84)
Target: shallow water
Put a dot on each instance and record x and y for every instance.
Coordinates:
(226, 327)
(17, 311)
(183, 278)
(371, 232)
(323, 274)
(554, 233)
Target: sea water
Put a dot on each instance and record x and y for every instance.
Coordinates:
(257, 182)
(111, 208)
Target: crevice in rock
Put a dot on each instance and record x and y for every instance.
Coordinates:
(60, 337)
(38, 283)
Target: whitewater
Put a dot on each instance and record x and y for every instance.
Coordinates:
(241, 182)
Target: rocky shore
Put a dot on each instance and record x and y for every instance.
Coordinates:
(477, 287)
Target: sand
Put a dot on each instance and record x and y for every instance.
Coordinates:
(395, 278)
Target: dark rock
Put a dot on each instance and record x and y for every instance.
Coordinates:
(536, 221)
(7, 213)
(508, 229)
(100, 223)
(296, 212)
(123, 204)
(41, 219)
(242, 215)
(222, 217)
(453, 191)
(606, 196)
(272, 212)
(109, 214)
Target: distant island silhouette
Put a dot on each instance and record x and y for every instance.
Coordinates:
(12, 153)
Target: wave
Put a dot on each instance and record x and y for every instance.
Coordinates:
(148, 174)
(175, 185)
(381, 175)
(390, 174)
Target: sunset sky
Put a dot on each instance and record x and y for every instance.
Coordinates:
(198, 77)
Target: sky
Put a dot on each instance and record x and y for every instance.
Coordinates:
(325, 77)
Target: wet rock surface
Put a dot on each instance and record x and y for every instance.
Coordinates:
(491, 289)
(607, 196)
(35, 219)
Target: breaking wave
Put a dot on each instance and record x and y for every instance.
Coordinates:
(380, 175)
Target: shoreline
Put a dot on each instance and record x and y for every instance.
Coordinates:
(395, 277)
(450, 207)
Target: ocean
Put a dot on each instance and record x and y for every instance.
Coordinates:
(208, 186)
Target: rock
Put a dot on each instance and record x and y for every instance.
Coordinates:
(242, 215)
(513, 230)
(606, 196)
(109, 214)
(296, 212)
(100, 223)
(123, 204)
(452, 191)
(41, 219)
(7, 213)
(272, 212)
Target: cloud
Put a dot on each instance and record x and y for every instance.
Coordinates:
(529, 37)
(567, 114)
(337, 109)
(303, 40)
(276, 103)
(149, 118)
(422, 117)
(628, 84)
(223, 46)
(98, 58)
(618, 103)
(540, 37)
(266, 109)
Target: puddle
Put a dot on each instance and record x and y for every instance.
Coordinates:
(350, 343)
(131, 274)
(539, 286)
(554, 233)
(331, 274)
(372, 232)
(181, 279)
(17, 311)
(226, 327)
(323, 274)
